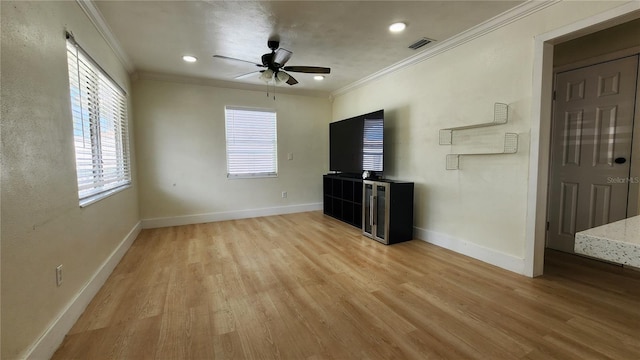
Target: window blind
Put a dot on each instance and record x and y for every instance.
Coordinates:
(372, 148)
(99, 112)
(251, 142)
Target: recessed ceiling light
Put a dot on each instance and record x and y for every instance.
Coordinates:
(318, 78)
(189, 58)
(397, 27)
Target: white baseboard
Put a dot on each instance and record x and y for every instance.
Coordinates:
(48, 343)
(505, 261)
(227, 215)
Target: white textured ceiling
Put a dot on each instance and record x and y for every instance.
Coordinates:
(350, 37)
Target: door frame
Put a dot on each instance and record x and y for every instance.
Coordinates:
(541, 114)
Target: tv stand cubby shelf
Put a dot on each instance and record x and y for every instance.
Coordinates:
(343, 198)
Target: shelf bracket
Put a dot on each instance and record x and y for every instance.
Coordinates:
(500, 116)
(510, 147)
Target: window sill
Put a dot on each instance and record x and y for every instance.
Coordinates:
(95, 198)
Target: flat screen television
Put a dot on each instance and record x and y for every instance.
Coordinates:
(357, 144)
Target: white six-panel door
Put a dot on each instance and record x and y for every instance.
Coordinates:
(591, 148)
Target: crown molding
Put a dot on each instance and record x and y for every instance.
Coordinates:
(182, 79)
(523, 10)
(103, 28)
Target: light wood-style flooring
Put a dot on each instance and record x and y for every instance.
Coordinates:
(306, 286)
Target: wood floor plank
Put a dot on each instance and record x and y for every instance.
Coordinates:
(305, 286)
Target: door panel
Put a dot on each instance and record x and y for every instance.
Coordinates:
(608, 84)
(569, 206)
(599, 205)
(575, 90)
(604, 136)
(572, 138)
(592, 127)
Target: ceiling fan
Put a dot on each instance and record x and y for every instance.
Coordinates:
(274, 64)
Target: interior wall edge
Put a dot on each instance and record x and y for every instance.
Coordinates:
(46, 345)
(227, 215)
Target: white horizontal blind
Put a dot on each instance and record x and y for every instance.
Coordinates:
(99, 111)
(372, 148)
(251, 142)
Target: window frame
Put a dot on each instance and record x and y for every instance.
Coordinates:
(273, 140)
(99, 112)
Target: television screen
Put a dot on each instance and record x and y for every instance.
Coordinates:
(357, 144)
(346, 145)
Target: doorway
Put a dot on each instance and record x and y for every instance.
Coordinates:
(541, 111)
(591, 145)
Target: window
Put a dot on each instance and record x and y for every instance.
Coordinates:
(251, 142)
(99, 111)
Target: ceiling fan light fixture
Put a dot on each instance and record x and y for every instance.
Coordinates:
(397, 27)
(282, 76)
(190, 58)
(267, 75)
(318, 78)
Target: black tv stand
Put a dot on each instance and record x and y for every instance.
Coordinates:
(347, 175)
(387, 210)
(343, 197)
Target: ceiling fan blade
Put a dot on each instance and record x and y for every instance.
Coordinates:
(244, 76)
(234, 59)
(291, 80)
(281, 57)
(308, 69)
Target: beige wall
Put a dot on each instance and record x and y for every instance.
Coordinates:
(42, 224)
(180, 137)
(484, 204)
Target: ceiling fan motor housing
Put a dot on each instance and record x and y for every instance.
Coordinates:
(266, 59)
(273, 44)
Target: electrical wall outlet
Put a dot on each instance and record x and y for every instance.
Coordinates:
(289, 156)
(284, 194)
(59, 275)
